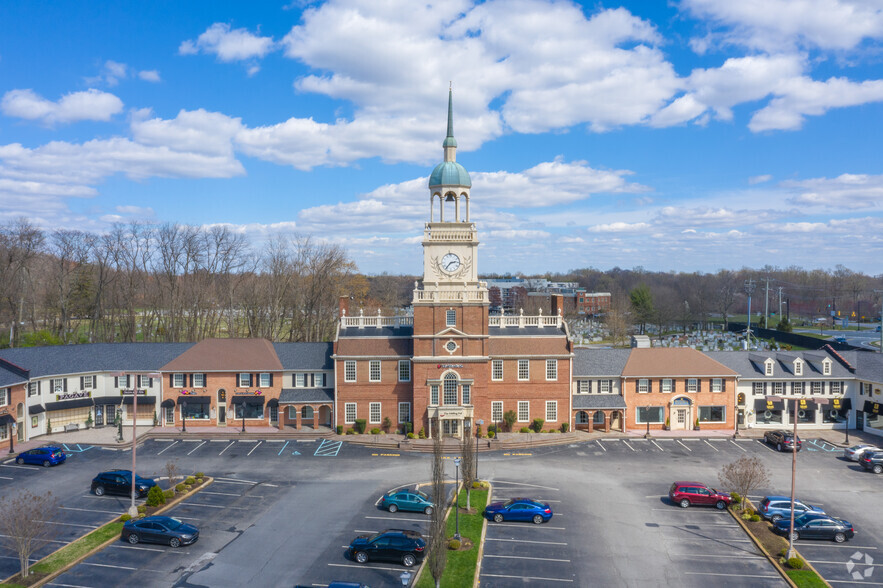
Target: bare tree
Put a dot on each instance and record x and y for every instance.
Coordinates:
(743, 476)
(172, 472)
(438, 550)
(26, 524)
(467, 463)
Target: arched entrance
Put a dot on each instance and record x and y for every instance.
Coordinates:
(681, 414)
(306, 416)
(20, 418)
(222, 408)
(582, 420)
(598, 419)
(325, 416)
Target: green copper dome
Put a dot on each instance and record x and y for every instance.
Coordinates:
(450, 173)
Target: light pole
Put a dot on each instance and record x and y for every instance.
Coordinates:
(12, 433)
(457, 498)
(646, 414)
(405, 578)
(242, 408)
(480, 423)
(183, 416)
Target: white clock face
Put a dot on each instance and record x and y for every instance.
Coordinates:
(450, 263)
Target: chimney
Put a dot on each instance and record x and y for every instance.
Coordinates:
(344, 306)
(557, 304)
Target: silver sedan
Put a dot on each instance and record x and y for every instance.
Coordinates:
(855, 452)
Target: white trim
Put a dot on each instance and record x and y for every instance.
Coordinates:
(346, 408)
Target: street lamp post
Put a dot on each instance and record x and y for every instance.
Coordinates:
(480, 423)
(12, 433)
(405, 578)
(242, 408)
(793, 479)
(646, 415)
(183, 416)
(457, 498)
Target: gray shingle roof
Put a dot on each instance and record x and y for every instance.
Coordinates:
(406, 331)
(525, 331)
(299, 395)
(746, 363)
(305, 356)
(11, 374)
(599, 362)
(595, 401)
(869, 366)
(93, 357)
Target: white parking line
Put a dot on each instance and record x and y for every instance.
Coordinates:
(746, 556)
(32, 468)
(526, 541)
(710, 445)
(220, 493)
(46, 540)
(691, 439)
(732, 575)
(248, 440)
(361, 567)
(657, 446)
(226, 448)
(684, 446)
(737, 445)
(839, 563)
(514, 525)
(192, 440)
(114, 545)
(197, 447)
(213, 505)
(765, 445)
(523, 484)
(168, 447)
(525, 557)
(400, 519)
(218, 440)
(528, 578)
(235, 481)
(611, 440)
(599, 445)
(70, 524)
(253, 448)
(113, 512)
(627, 445)
(835, 545)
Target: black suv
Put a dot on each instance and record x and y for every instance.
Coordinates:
(406, 547)
(783, 440)
(120, 482)
(872, 461)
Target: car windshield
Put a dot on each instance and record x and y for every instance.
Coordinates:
(421, 495)
(173, 523)
(508, 503)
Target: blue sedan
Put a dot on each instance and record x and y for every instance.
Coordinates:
(44, 456)
(166, 530)
(519, 509)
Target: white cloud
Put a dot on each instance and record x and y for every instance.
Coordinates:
(846, 191)
(753, 180)
(88, 105)
(149, 75)
(196, 131)
(228, 44)
(619, 227)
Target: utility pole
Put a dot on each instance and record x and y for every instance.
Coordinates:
(880, 292)
(749, 288)
(766, 304)
(780, 302)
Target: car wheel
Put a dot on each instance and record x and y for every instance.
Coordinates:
(684, 503)
(46, 463)
(839, 537)
(175, 542)
(20, 461)
(498, 518)
(427, 510)
(779, 447)
(393, 508)
(795, 536)
(775, 518)
(878, 469)
(409, 560)
(133, 538)
(99, 490)
(720, 504)
(361, 557)
(537, 519)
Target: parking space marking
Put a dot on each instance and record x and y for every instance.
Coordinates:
(627, 445)
(33, 469)
(755, 555)
(657, 446)
(599, 445)
(529, 578)
(77, 450)
(524, 541)
(70, 524)
(226, 448)
(248, 440)
(362, 567)
(220, 493)
(46, 540)
(213, 505)
(197, 447)
(67, 585)
(235, 481)
(525, 557)
(113, 512)
(168, 447)
(840, 563)
(684, 446)
(399, 519)
(764, 443)
(218, 440)
(328, 448)
(613, 440)
(192, 440)
(731, 575)
(835, 545)
(710, 445)
(283, 448)
(119, 567)
(851, 582)
(114, 545)
(523, 484)
(737, 445)
(253, 448)
(514, 525)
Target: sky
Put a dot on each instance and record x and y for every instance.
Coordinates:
(689, 135)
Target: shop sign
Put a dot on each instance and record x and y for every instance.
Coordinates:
(802, 404)
(130, 392)
(72, 395)
(247, 392)
(188, 392)
(449, 365)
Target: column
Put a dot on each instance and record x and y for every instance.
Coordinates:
(591, 420)
(607, 416)
(315, 418)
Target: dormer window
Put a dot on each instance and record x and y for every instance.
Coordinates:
(826, 366)
(768, 367)
(798, 368)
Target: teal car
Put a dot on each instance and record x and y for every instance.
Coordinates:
(412, 500)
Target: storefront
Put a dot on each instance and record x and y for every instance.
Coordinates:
(69, 411)
(768, 412)
(248, 407)
(146, 409)
(195, 409)
(304, 407)
(107, 410)
(873, 418)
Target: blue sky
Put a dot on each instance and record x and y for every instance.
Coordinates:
(691, 135)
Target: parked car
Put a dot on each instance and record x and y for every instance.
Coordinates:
(782, 440)
(873, 461)
(44, 456)
(347, 585)
(855, 452)
(405, 547)
(165, 530)
(412, 500)
(120, 482)
(813, 526)
(840, 339)
(518, 509)
(773, 508)
(685, 494)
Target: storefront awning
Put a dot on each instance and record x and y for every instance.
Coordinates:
(272, 403)
(6, 419)
(36, 409)
(168, 403)
(145, 400)
(760, 404)
(872, 407)
(66, 404)
(256, 400)
(195, 399)
(108, 400)
(804, 404)
(840, 404)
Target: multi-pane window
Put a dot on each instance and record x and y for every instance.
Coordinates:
(768, 368)
(604, 386)
(451, 318)
(404, 370)
(374, 413)
(551, 370)
(4, 396)
(523, 411)
(523, 369)
(320, 380)
(33, 388)
(826, 368)
(274, 414)
(264, 380)
(497, 369)
(467, 393)
(816, 388)
(667, 386)
(58, 385)
(649, 414)
(349, 371)
(778, 387)
(300, 380)
(551, 411)
(584, 387)
(797, 388)
(170, 415)
(450, 389)
(404, 412)
(433, 394)
(198, 381)
(836, 387)
(712, 414)
(798, 368)
(89, 382)
(451, 346)
(178, 380)
(374, 370)
(717, 385)
(496, 411)
(643, 386)
(692, 385)
(757, 388)
(349, 412)
(245, 380)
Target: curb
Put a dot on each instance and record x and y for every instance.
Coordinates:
(476, 581)
(111, 541)
(419, 572)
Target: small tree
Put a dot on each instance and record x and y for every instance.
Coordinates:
(509, 417)
(155, 496)
(387, 424)
(467, 463)
(26, 524)
(360, 425)
(537, 425)
(172, 473)
(743, 476)
(438, 555)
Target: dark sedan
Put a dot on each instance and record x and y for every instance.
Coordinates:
(120, 482)
(812, 526)
(165, 530)
(518, 509)
(872, 461)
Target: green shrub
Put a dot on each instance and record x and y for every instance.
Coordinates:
(476, 485)
(125, 517)
(564, 427)
(199, 475)
(755, 518)
(141, 515)
(410, 435)
(142, 509)
(169, 494)
(190, 480)
(746, 517)
(454, 544)
(537, 425)
(525, 430)
(350, 432)
(340, 429)
(375, 431)
(509, 417)
(200, 480)
(737, 498)
(795, 563)
(179, 488)
(359, 426)
(187, 487)
(409, 428)
(491, 429)
(387, 424)
(155, 497)
(421, 434)
(491, 434)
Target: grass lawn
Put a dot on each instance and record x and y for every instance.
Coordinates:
(806, 578)
(460, 566)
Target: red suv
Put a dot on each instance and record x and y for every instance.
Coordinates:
(686, 493)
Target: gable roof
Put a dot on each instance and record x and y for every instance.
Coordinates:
(305, 356)
(53, 360)
(746, 363)
(227, 355)
(11, 374)
(599, 362)
(673, 361)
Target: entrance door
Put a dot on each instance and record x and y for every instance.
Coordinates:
(222, 416)
(450, 428)
(680, 418)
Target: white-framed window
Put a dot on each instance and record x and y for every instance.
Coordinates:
(451, 318)
(816, 388)
(264, 380)
(757, 388)
(449, 386)
(170, 415)
(523, 411)
(768, 368)
(349, 371)
(551, 411)
(451, 346)
(319, 380)
(433, 394)
(4, 396)
(584, 387)
(717, 384)
(374, 370)
(666, 386)
(649, 414)
(404, 412)
(89, 382)
(178, 381)
(604, 386)
(58, 385)
(497, 370)
(836, 387)
(643, 386)
(778, 387)
(712, 414)
(797, 388)
(349, 413)
(33, 388)
(198, 381)
(523, 369)
(404, 370)
(374, 413)
(826, 367)
(551, 370)
(467, 393)
(245, 380)
(692, 385)
(496, 411)
(300, 380)
(798, 368)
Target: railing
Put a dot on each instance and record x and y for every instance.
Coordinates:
(520, 321)
(451, 295)
(376, 322)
